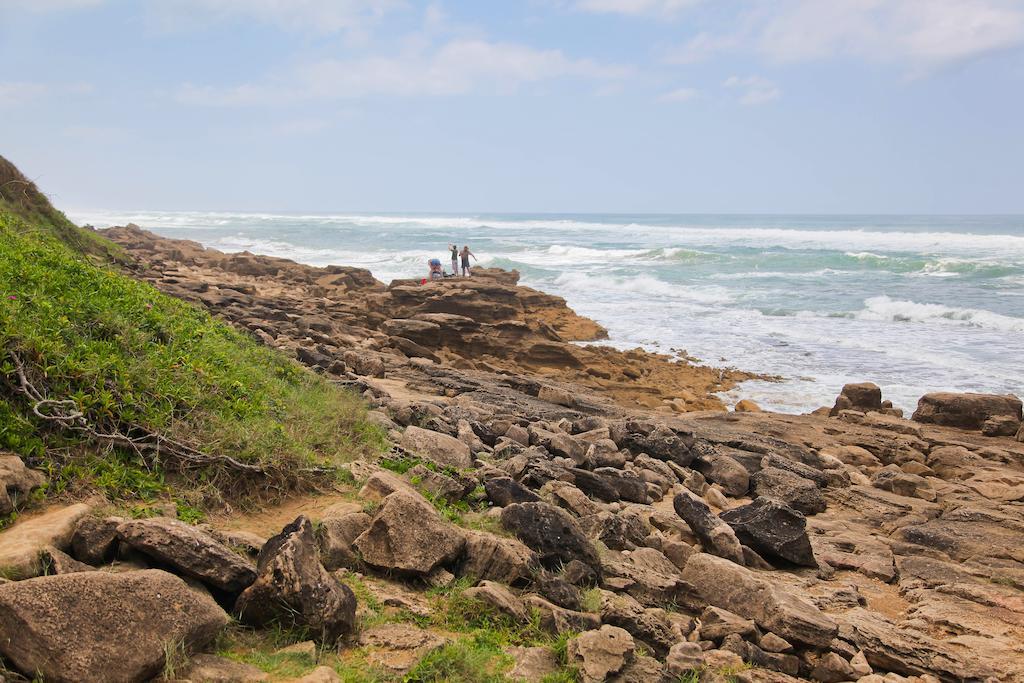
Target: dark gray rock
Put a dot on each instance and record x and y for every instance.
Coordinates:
(715, 536)
(504, 491)
(773, 529)
(551, 533)
(792, 489)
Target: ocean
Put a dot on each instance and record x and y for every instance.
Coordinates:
(912, 303)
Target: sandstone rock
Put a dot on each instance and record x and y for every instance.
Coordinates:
(717, 623)
(94, 540)
(558, 443)
(532, 663)
(504, 491)
(661, 443)
(560, 620)
(798, 468)
(642, 669)
(335, 537)
(438, 485)
(715, 535)
(737, 589)
(747, 406)
(831, 668)
(495, 558)
(558, 590)
(58, 562)
(860, 666)
(293, 588)
(649, 625)
(499, 598)
(99, 626)
(683, 658)
(551, 532)
(648, 576)
(966, 411)
(729, 474)
(398, 647)
(439, 448)
(617, 531)
(214, 669)
(364, 363)
(892, 478)
(793, 490)
(408, 535)
(566, 496)
(21, 544)
(16, 482)
(189, 551)
(557, 396)
(382, 484)
(601, 653)
(321, 674)
(864, 396)
(773, 643)
(626, 483)
(594, 485)
(773, 529)
(1000, 425)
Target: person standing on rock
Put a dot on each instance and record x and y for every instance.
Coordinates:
(454, 248)
(466, 253)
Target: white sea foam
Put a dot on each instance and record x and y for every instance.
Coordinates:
(887, 309)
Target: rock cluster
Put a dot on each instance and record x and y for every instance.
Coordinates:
(846, 545)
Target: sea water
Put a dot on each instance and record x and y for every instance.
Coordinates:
(913, 303)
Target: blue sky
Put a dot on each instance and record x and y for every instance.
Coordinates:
(745, 106)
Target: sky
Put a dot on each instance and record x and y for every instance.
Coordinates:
(631, 106)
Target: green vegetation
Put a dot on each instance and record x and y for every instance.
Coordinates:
(20, 197)
(109, 384)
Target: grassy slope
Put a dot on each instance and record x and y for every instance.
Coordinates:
(20, 197)
(134, 360)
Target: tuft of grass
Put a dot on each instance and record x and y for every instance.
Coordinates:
(478, 659)
(133, 360)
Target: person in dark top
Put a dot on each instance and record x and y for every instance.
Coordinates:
(454, 248)
(466, 253)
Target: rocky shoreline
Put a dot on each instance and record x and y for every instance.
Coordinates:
(614, 499)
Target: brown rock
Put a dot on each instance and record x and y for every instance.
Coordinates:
(601, 653)
(966, 411)
(439, 448)
(293, 588)
(188, 550)
(408, 535)
(214, 669)
(21, 544)
(102, 627)
(16, 482)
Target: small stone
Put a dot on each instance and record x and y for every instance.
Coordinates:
(860, 666)
(683, 658)
(601, 653)
(832, 668)
(773, 643)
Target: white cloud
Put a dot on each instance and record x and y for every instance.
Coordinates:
(14, 93)
(919, 34)
(700, 48)
(318, 16)
(47, 5)
(922, 32)
(458, 67)
(680, 95)
(635, 7)
(754, 89)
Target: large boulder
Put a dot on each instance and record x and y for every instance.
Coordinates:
(102, 627)
(601, 653)
(723, 584)
(659, 442)
(715, 536)
(21, 545)
(864, 397)
(292, 588)
(727, 473)
(966, 411)
(439, 448)
(189, 551)
(795, 491)
(16, 482)
(408, 535)
(335, 536)
(94, 539)
(773, 529)
(496, 558)
(551, 532)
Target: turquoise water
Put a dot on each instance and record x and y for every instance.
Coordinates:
(914, 303)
